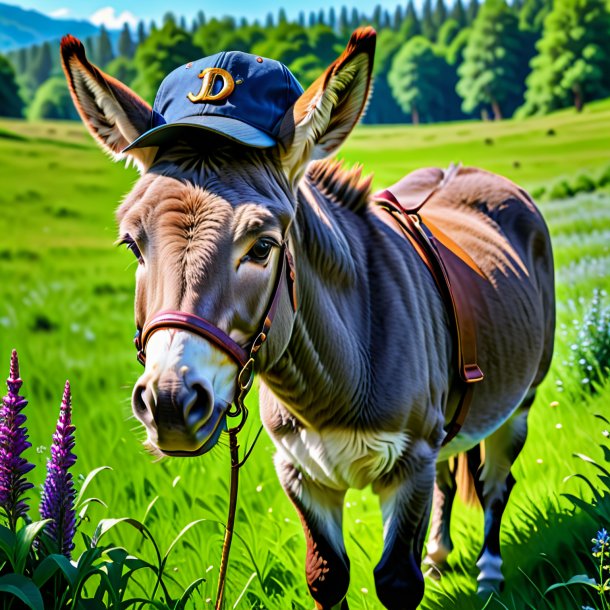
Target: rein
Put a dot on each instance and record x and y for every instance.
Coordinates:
(246, 360)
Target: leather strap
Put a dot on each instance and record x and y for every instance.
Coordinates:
(203, 328)
(452, 269)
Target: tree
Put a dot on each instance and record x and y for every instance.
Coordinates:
(492, 71)
(41, 65)
(412, 19)
(417, 80)
(458, 13)
(398, 18)
(126, 46)
(105, 53)
(439, 16)
(141, 35)
(427, 22)
(472, 11)
(533, 13)
(163, 51)
(52, 101)
(572, 65)
(382, 107)
(11, 103)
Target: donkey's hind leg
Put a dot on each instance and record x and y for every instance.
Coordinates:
(439, 540)
(494, 483)
(321, 512)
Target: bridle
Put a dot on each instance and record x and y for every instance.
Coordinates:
(245, 359)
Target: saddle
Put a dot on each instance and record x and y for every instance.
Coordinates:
(455, 274)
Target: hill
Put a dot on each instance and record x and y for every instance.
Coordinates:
(23, 28)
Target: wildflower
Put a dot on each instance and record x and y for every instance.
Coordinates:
(58, 490)
(13, 442)
(602, 543)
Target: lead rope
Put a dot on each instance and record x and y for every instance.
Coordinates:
(244, 380)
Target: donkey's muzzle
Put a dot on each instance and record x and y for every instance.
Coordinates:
(181, 419)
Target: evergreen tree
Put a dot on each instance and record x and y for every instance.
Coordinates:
(141, 34)
(42, 64)
(321, 17)
(491, 73)
(427, 22)
(332, 19)
(301, 20)
(458, 13)
(169, 17)
(398, 18)
(439, 16)
(356, 19)
(21, 60)
(200, 18)
(126, 45)
(377, 16)
(11, 104)
(165, 49)
(344, 25)
(183, 23)
(313, 19)
(418, 80)
(472, 11)
(572, 65)
(282, 18)
(411, 25)
(104, 48)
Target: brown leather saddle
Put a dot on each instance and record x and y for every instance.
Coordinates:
(455, 274)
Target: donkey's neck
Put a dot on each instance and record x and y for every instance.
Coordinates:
(325, 363)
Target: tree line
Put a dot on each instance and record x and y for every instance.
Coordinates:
(489, 59)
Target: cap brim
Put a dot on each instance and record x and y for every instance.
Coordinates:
(224, 126)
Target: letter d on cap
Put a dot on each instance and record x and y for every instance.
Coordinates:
(209, 76)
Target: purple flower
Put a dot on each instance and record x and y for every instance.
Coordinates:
(58, 490)
(13, 442)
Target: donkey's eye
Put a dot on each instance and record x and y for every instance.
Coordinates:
(259, 252)
(128, 241)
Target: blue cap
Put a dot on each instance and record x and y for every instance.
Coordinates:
(238, 95)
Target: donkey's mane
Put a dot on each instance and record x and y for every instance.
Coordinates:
(345, 187)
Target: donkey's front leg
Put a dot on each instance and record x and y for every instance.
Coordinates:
(405, 506)
(321, 511)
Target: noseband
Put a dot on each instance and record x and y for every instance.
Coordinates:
(192, 323)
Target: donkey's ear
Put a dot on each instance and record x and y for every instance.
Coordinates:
(112, 112)
(325, 114)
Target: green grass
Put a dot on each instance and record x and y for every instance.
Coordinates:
(66, 305)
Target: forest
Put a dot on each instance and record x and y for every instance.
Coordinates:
(471, 59)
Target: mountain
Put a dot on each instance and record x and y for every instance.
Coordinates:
(23, 28)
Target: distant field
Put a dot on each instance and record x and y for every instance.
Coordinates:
(66, 305)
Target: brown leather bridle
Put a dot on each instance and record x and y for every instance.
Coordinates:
(244, 358)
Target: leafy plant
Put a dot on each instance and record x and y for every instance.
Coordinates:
(35, 559)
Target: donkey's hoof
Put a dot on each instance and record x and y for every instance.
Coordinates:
(433, 569)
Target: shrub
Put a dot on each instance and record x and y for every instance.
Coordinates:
(561, 190)
(52, 101)
(604, 177)
(583, 184)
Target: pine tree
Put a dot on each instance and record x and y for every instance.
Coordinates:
(332, 19)
(269, 23)
(398, 18)
(411, 25)
(344, 25)
(355, 19)
(141, 34)
(377, 16)
(126, 45)
(472, 11)
(200, 18)
(301, 20)
(491, 73)
(104, 47)
(321, 17)
(458, 13)
(533, 14)
(572, 65)
(282, 19)
(439, 16)
(41, 67)
(427, 22)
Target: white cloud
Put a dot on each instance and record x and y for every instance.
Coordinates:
(60, 13)
(113, 21)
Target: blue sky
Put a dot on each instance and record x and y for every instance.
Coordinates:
(113, 14)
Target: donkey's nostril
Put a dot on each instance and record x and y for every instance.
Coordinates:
(199, 408)
(138, 399)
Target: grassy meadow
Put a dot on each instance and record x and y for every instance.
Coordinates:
(66, 306)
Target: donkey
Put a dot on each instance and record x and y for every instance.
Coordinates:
(358, 380)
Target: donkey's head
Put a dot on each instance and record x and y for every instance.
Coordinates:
(210, 219)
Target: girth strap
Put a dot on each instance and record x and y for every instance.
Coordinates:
(452, 269)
